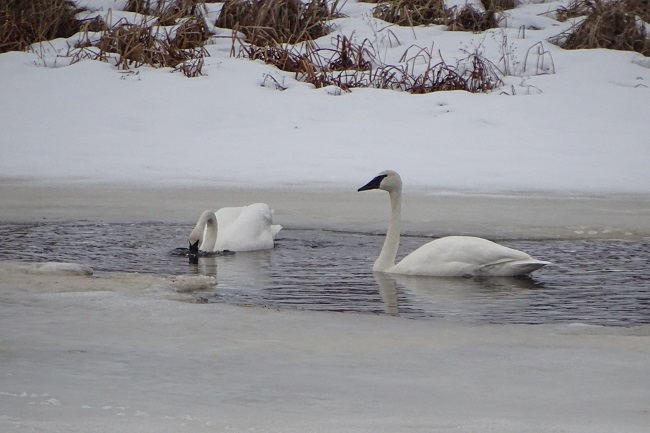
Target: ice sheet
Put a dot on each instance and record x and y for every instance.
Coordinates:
(124, 353)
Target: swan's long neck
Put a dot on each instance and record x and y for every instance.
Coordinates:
(210, 234)
(386, 259)
(205, 231)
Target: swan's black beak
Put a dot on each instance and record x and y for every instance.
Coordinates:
(373, 184)
(194, 248)
(194, 252)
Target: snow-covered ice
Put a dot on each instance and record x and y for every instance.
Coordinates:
(124, 353)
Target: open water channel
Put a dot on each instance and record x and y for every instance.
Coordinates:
(600, 282)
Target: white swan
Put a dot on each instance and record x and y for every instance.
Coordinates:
(246, 228)
(450, 256)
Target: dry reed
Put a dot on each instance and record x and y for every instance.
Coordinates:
(168, 11)
(498, 5)
(134, 45)
(412, 12)
(434, 12)
(23, 23)
(608, 24)
(353, 65)
(272, 22)
(470, 19)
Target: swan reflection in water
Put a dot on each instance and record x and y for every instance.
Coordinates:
(261, 278)
(326, 278)
(234, 269)
(453, 295)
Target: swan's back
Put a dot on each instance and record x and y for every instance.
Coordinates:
(453, 256)
(246, 228)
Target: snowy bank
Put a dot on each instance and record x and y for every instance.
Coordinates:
(578, 127)
(506, 216)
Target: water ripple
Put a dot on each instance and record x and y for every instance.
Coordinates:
(604, 282)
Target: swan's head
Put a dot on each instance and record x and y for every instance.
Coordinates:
(204, 234)
(194, 247)
(193, 252)
(387, 180)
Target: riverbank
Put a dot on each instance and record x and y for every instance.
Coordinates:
(502, 216)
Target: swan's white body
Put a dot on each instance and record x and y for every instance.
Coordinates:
(245, 228)
(466, 255)
(445, 257)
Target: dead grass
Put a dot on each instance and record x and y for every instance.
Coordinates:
(473, 74)
(498, 5)
(434, 12)
(134, 45)
(575, 9)
(191, 33)
(480, 74)
(318, 66)
(356, 65)
(168, 11)
(272, 22)
(470, 19)
(412, 12)
(127, 45)
(23, 22)
(177, 40)
(613, 24)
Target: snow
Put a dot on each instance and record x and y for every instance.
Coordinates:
(49, 268)
(563, 145)
(572, 121)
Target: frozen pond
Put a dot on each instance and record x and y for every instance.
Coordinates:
(605, 282)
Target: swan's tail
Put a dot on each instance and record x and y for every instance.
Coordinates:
(275, 229)
(528, 267)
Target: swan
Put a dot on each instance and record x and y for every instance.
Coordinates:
(245, 228)
(451, 256)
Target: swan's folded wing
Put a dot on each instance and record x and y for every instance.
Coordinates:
(466, 255)
(246, 228)
(266, 213)
(512, 268)
(228, 215)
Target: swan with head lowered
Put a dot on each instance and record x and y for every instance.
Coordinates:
(451, 256)
(245, 228)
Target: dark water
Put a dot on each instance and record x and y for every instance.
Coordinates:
(604, 282)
